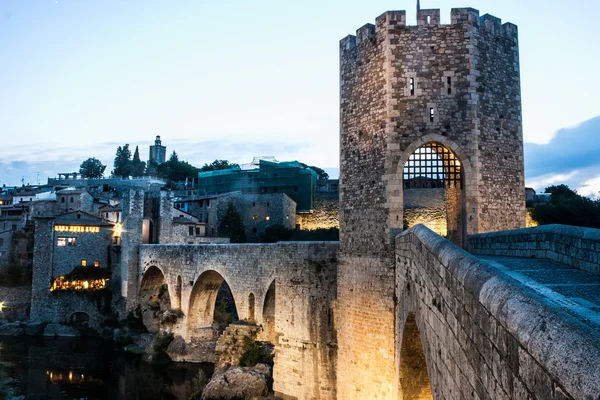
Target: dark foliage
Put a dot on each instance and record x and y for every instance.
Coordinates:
(278, 233)
(568, 208)
(218, 165)
(92, 168)
(321, 175)
(174, 170)
(255, 354)
(138, 167)
(122, 164)
(232, 225)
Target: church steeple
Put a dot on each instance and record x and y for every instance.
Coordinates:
(418, 8)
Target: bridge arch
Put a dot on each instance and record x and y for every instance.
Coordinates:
(447, 205)
(203, 303)
(413, 376)
(154, 297)
(251, 307)
(268, 314)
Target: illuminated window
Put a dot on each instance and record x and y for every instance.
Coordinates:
(431, 114)
(255, 217)
(66, 241)
(96, 263)
(84, 263)
(267, 218)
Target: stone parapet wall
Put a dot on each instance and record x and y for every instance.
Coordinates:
(575, 246)
(484, 334)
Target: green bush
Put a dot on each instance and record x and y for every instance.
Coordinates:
(255, 353)
(199, 382)
(162, 340)
(568, 208)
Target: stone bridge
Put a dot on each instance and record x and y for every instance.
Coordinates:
(520, 322)
(287, 288)
(517, 319)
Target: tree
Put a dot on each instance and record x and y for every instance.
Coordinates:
(122, 165)
(174, 170)
(231, 225)
(92, 168)
(137, 166)
(568, 208)
(321, 174)
(218, 165)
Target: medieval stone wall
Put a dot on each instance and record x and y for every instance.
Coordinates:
(325, 214)
(496, 54)
(258, 211)
(571, 245)
(484, 334)
(403, 87)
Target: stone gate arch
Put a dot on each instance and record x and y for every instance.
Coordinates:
(154, 298)
(203, 298)
(457, 196)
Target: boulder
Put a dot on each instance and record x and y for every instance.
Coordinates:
(34, 328)
(239, 383)
(60, 330)
(11, 329)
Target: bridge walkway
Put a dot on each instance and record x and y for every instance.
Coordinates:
(574, 290)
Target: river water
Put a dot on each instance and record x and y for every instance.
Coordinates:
(77, 368)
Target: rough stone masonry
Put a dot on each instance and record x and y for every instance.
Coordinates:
(402, 87)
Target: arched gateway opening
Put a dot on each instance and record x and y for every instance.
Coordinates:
(154, 298)
(212, 307)
(414, 380)
(433, 191)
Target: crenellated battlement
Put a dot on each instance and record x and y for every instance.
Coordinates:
(430, 18)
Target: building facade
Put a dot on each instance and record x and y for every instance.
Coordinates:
(266, 177)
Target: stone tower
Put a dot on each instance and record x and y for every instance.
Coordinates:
(158, 152)
(427, 89)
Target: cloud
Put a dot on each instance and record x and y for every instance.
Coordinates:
(572, 157)
(37, 162)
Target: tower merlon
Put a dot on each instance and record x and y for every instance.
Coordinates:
(510, 30)
(347, 43)
(429, 17)
(391, 19)
(494, 25)
(464, 16)
(364, 33)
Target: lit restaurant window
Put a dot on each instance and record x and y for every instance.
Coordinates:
(84, 263)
